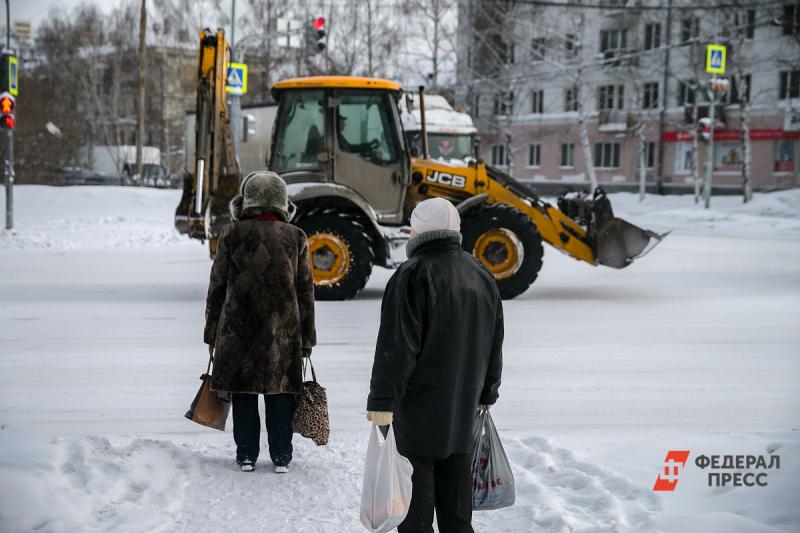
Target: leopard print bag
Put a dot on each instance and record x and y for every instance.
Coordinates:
(311, 409)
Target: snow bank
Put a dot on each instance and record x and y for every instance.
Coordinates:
(144, 484)
(80, 218)
(88, 484)
(769, 215)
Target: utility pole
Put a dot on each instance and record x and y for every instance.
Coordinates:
(142, 71)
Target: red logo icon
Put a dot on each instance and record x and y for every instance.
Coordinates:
(668, 480)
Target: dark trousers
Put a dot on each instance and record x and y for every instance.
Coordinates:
(279, 409)
(443, 484)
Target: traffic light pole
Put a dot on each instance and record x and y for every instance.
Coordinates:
(9, 175)
(9, 163)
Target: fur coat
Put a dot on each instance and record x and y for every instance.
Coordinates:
(260, 308)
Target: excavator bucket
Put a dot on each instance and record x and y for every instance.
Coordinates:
(618, 242)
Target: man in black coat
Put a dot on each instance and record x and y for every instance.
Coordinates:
(438, 360)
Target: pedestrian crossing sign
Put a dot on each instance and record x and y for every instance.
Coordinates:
(715, 58)
(237, 78)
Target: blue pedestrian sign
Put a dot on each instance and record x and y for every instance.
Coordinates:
(715, 59)
(237, 78)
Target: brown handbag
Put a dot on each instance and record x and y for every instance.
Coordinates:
(311, 409)
(207, 408)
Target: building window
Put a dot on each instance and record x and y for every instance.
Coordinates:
(499, 155)
(571, 99)
(606, 155)
(534, 154)
(537, 101)
(790, 84)
(791, 19)
(750, 29)
(649, 154)
(509, 56)
(476, 105)
(740, 88)
(568, 155)
(571, 44)
(690, 28)
(685, 93)
(538, 46)
(613, 42)
(650, 96)
(610, 97)
(652, 36)
(503, 103)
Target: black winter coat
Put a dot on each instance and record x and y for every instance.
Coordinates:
(439, 348)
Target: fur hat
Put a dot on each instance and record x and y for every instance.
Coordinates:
(266, 190)
(434, 215)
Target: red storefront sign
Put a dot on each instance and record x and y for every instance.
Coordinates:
(735, 135)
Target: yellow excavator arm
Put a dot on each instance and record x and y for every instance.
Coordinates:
(214, 177)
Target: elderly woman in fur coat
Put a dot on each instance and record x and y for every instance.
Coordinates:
(260, 316)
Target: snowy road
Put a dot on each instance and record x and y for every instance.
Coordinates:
(695, 347)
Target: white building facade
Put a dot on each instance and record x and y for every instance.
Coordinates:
(635, 74)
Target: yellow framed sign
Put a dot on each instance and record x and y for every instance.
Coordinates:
(715, 58)
(237, 78)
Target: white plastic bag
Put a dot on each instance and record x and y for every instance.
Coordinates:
(386, 493)
(492, 479)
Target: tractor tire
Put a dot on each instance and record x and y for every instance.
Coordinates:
(339, 250)
(507, 242)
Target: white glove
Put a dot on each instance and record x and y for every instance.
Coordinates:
(380, 418)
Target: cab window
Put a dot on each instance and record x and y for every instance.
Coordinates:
(300, 131)
(364, 128)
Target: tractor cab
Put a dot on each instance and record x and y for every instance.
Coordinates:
(343, 130)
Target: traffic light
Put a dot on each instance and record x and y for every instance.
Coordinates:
(7, 104)
(315, 35)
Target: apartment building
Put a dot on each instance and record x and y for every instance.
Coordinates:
(635, 75)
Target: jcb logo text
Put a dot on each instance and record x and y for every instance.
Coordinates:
(447, 179)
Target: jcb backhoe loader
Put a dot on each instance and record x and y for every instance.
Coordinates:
(339, 144)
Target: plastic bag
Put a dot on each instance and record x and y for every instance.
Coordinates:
(386, 493)
(492, 479)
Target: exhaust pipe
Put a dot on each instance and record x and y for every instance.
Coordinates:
(425, 153)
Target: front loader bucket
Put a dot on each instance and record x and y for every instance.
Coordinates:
(618, 242)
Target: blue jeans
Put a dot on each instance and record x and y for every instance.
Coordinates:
(279, 410)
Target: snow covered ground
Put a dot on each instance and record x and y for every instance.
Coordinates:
(695, 347)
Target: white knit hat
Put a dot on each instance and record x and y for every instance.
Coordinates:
(435, 214)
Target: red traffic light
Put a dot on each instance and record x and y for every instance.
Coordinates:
(319, 23)
(7, 105)
(9, 122)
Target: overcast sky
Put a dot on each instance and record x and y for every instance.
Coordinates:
(36, 10)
